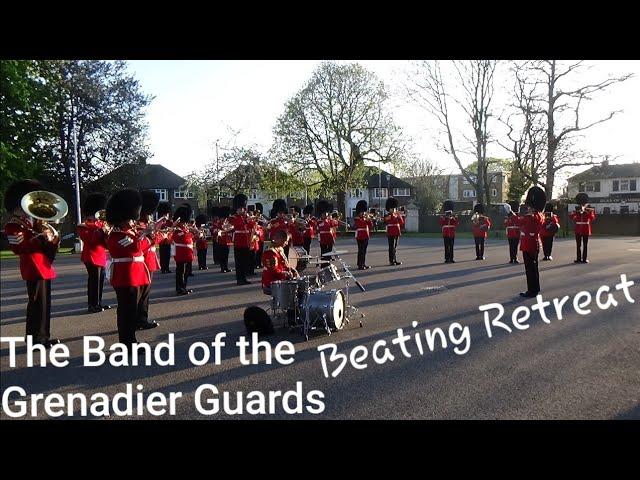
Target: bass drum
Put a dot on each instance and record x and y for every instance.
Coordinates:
(329, 303)
(294, 258)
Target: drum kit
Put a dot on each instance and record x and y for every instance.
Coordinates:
(316, 302)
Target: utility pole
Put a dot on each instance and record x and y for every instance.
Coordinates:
(218, 170)
(78, 242)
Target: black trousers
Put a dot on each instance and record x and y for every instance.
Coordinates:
(448, 247)
(479, 246)
(214, 249)
(95, 284)
(584, 239)
(127, 314)
(165, 257)
(547, 245)
(202, 257)
(252, 262)
(513, 248)
(307, 245)
(39, 309)
(143, 304)
(531, 269)
(189, 268)
(324, 249)
(362, 251)
(243, 259)
(223, 257)
(259, 255)
(181, 276)
(393, 246)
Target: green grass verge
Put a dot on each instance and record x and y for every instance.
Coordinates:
(10, 254)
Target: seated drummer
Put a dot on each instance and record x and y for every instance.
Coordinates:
(275, 263)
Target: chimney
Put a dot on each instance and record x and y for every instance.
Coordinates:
(605, 162)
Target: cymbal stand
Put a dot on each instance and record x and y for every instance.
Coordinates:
(350, 309)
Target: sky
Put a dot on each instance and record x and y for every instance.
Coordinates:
(199, 102)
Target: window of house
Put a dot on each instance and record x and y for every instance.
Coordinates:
(162, 194)
(356, 193)
(253, 194)
(401, 192)
(633, 185)
(180, 193)
(581, 187)
(494, 192)
(380, 193)
(625, 185)
(468, 193)
(592, 186)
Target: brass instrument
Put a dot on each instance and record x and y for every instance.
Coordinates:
(45, 208)
(101, 215)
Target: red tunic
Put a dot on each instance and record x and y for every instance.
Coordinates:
(275, 266)
(326, 230)
(481, 228)
(394, 223)
(310, 229)
(512, 225)
(150, 255)
(530, 226)
(242, 230)
(550, 226)
(448, 225)
(201, 242)
(257, 245)
(297, 237)
(94, 242)
(162, 224)
(583, 221)
(363, 228)
(278, 224)
(183, 243)
(127, 249)
(34, 262)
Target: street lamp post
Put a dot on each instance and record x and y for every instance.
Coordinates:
(218, 170)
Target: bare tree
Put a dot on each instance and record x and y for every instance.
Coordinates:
(428, 88)
(428, 181)
(335, 124)
(551, 118)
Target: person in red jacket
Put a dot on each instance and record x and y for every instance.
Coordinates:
(146, 226)
(36, 246)
(364, 225)
(276, 265)
(296, 227)
(279, 221)
(583, 216)
(512, 226)
(202, 243)
(128, 271)
(163, 224)
(549, 229)
(183, 249)
(449, 222)
(480, 226)
(394, 221)
(260, 231)
(214, 212)
(224, 238)
(94, 250)
(242, 230)
(326, 228)
(311, 226)
(530, 225)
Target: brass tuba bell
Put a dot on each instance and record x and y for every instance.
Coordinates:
(46, 206)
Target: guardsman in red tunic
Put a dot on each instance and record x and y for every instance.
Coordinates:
(326, 228)
(448, 222)
(94, 250)
(364, 225)
(213, 230)
(512, 227)
(480, 226)
(549, 229)
(279, 221)
(310, 227)
(146, 226)
(36, 246)
(530, 225)
(296, 228)
(394, 221)
(202, 243)
(242, 231)
(224, 239)
(183, 249)
(276, 265)
(163, 225)
(582, 217)
(129, 273)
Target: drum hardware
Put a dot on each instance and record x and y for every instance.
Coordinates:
(334, 253)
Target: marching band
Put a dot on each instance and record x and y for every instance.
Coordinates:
(123, 226)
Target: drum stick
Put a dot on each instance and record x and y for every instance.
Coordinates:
(360, 286)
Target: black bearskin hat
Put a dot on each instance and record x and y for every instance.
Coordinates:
(323, 207)
(279, 205)
(515, 206)
(124, 205)
(447, 205)
(164, 208)
(189, 209)
(257, 320)
(182, 213)
(214, 212)
(550, 207)
(17, 190)
(94, 203)
(308, 210)
(297, 209)
(259, 207)
(150, 202)
(239, 201)
(582, 198)
(201, 219)
(536, 198)
(224, 212)
(361, 206)
(391, 203)
(478, 208)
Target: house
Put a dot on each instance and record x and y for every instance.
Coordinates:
(379, 185)
(611, 188)
(169, 186)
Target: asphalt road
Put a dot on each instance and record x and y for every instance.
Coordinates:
(579, 367)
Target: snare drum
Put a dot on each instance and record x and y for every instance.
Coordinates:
(329, 304)
(327, 275)
(284, 293)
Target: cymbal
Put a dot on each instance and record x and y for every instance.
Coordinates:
(333, 253)
(306, 257)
